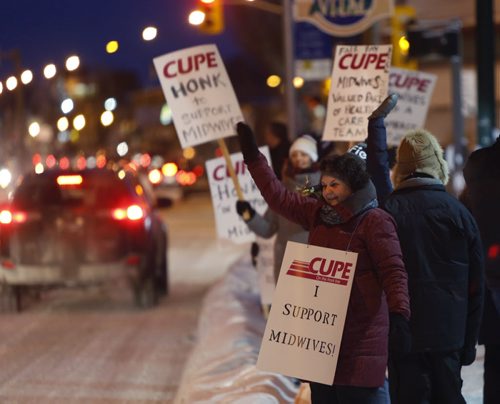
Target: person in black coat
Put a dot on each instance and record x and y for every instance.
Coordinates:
(276, 137)
(443, 256)
(482, 197)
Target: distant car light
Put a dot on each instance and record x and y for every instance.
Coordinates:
(155, 176)
(68, 180)
(169, 169)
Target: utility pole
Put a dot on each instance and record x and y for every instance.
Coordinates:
(485, 57)
(289, 69)
(15, 137)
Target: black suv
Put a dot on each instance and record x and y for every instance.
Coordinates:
(66, 227)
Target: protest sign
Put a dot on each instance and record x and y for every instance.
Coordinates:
(359, 83)
(229, 224)
(265, 268)
(199, 93)
(415, 91)
(304, 330)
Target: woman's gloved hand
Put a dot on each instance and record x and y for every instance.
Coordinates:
(399, 335)
(247, 141)
(245, 210)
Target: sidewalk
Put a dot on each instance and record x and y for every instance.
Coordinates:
(221, 368)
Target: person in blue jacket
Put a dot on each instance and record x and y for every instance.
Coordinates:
(443, 256)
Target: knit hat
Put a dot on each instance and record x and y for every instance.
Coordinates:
(359, 150)
(305, 144)
(419, 152)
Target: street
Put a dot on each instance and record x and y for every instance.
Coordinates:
(93, 345)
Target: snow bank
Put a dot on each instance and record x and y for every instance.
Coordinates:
(221, 368)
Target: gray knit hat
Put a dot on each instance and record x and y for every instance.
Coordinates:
(419, 152)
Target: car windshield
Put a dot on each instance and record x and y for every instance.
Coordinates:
(94, 191)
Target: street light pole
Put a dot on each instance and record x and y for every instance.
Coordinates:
(17, 148)
(485, 38)
(289, 68)
(288, 46)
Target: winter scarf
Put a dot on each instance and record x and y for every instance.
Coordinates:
(358, 203)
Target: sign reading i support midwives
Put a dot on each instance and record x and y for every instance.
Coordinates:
(199, 93)
(304, 330)
(360, 80)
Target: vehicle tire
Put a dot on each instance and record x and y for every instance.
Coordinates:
(145, 294)
(10, 298)
(162, 273)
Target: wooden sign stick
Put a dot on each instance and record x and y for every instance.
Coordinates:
(230, 168)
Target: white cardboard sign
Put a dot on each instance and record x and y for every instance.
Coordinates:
(265, 268)
(199, 93)
(415, 91)
(304, 330)
(359, 83)
(229, 224)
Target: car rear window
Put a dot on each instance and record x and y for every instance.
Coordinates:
(94, 191)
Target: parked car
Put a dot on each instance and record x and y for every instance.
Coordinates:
(71, 227)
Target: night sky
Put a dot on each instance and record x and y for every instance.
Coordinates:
(47, 31)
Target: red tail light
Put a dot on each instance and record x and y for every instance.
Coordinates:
(7, 217)
(493, 251)
(133, 212)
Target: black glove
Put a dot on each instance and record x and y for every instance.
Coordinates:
(245, 210)
(399, 335)
(247, 142)
(467, 356)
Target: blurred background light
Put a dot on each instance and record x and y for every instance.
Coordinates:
(273, 81)
(112, 46)
(11, 83)
(196, 17)
(149, 33)
(122, 149)
(26, 76)
(67, 105)
(79, 122)
(34, 129)
(298, 82)
(62, 124)
(5, 178)
(110, 104)
(107, 118)
(72, 63)
(49, 71)
(165, 115)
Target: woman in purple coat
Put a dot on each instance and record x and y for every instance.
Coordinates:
(346, 218)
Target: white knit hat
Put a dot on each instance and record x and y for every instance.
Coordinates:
(420, 152)
(305, 144)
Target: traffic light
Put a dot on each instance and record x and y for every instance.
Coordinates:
(213, 23)
(399, 37)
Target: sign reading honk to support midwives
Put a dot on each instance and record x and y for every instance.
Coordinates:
(199, 93)
(304, 330)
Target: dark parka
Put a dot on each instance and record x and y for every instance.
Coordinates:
(482, 197)
(442, 253)
(379, 286)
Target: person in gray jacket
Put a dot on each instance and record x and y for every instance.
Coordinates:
(299, 174)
